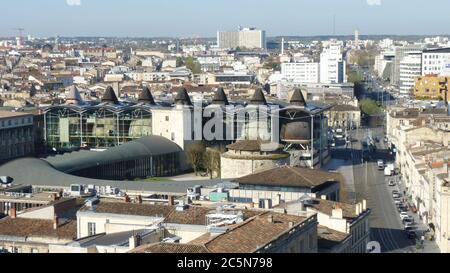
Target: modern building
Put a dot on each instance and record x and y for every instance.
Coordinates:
(332, 64)
(436, 62)
(409, 69)
(400, 53)
(306, 72)
(16, 135)
(431, 87)
(151, 156)
(249, 38)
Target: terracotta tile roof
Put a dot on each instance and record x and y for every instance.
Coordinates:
(170, 248)
(191, 215)
(327, 206)
(290, 177)
(328, 238)
(36, 227)
(133, 209)
(252, 234)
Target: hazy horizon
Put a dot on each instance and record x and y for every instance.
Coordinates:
(203, 18)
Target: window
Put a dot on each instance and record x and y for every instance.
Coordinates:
(173, 136)
(34, 250)
(91, 229)
(167, 118)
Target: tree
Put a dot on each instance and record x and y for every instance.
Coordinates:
(212, 161)
(354, 76)
(370, 107)
(193, 65)
(273, 64)
(195, 156)
(180, 61)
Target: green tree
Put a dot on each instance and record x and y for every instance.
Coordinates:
(370, 107)
(271, 63)
(354, 76)
(180, 61)
(193, 65)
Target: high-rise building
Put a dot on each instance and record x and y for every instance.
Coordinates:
(332, 64)
(410, 68)
(246, 37)
(400, 53)
(357, 38)
(302, 72)
(436, 62)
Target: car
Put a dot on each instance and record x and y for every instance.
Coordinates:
(392, 183)
(408, 219)
(380, 164)
(396, 195)
(333, 144)
(397, 202)
(403, 215)
(409, 226)
(410, 234)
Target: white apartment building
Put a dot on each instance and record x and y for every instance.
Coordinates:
(436, 62)
(247, 37)
(304, 72)
(332, 64)
(410, 68)
(382, 61)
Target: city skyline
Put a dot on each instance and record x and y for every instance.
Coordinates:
(302, 18)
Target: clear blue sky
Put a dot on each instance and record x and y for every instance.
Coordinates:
(183, 18)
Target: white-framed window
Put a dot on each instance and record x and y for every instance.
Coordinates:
(91, 229)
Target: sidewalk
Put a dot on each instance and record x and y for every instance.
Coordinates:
(428, 246)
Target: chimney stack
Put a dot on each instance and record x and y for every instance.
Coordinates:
(337, 213)
(364, 204)
(323, 197)
(291, 224)
(55, 222)
(139, 199)
(270, 218)
(13, 213)
(171, 200)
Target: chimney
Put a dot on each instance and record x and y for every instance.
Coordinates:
(13, 213)
(127, 198)
(337, 213)
(171, 200)
(270, 218)
(134, 241)
(323, 197)
(55, 222)
(139, 199)
(364, 204)
(278, 200)
(291, 224)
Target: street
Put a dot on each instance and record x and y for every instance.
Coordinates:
(370, 183)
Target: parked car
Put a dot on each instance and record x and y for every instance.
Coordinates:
(411, 234)
(409, 226)
(380, 165)
(392, 183)
(403, 215)
(396, 195)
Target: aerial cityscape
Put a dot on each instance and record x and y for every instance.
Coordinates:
(224, 127)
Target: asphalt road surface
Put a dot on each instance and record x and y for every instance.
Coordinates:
(371, 184)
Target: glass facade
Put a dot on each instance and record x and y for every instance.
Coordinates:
(151, 166)
(95, 127)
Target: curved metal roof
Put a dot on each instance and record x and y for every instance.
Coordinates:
(140, 148)
(38, 172)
